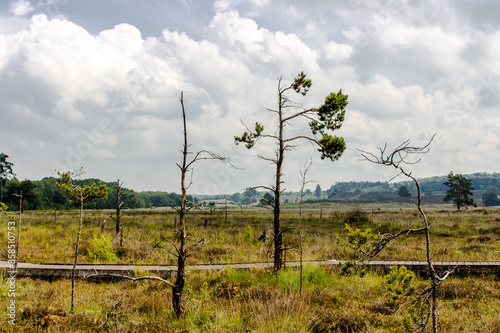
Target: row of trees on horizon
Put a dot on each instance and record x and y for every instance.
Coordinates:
(46, 195)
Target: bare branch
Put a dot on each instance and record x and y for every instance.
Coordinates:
(285, 230)
(260, 186)
(201, 241)
(175, 247)
(303, 137)
(397, 159)
(272, 160)
(302, 113)
(374, 248)
(210, 156)
(125, 277)
(398, 156)
(173, 206)
(269, 136)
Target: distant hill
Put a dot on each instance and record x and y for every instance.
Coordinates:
(46, 194)
(480, 182)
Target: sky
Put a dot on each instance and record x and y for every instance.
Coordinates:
(97, 84)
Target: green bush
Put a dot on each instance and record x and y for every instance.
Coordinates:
(101, 249)
(355, 248)
(400, 285)
(248, 235)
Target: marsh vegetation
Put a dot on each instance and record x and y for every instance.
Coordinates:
(254, 300)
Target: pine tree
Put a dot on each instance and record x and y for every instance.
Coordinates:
(459, 191)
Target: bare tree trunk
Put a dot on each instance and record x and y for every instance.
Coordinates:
(278, 236)
(19, 230)
(181, 258)
(182, 250)
(303, 183)
(396, 158)
(76, 254)
(121, 236)
(55, 209)
(432, 271)
(435, 321)
(177, 291)
(118, 207)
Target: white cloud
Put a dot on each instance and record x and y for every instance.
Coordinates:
(21, 7)
(413, 78)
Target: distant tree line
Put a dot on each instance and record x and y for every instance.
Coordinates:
(479, 181)
(46, 195)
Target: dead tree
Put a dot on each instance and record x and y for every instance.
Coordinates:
(182, 250)
(20, 196)
(303, 183)
(399, 158)
(55, 208)
(119, 205)
(263, 236)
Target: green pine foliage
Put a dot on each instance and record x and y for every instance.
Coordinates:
(354, 248)
(400, 283)
(459, 191)
(101, 249)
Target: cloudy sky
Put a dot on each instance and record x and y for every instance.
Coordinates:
(96, 84)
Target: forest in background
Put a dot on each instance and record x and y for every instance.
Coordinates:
(45, 195)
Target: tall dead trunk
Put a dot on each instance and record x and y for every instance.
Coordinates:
(177, 291)
(396, 159)
(19, 230)
(76, 254)
(434, 277)
(118, 207)
(278, 236)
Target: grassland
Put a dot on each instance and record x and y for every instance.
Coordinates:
(257, 300)
(467, 235)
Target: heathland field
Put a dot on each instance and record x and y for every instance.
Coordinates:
(254, 300)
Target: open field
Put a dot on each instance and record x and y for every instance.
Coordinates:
(467, 235)
(249, 301)
(255, 300)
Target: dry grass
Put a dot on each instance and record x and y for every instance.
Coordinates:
(253, 301)
(469, 235)
(248, 301)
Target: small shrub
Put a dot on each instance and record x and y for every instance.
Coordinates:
(357, 239)
(354, 249)
(157, 242)
(101, 248)
(350, 268)
(356, 216)
(248, 235)
(400, 285)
